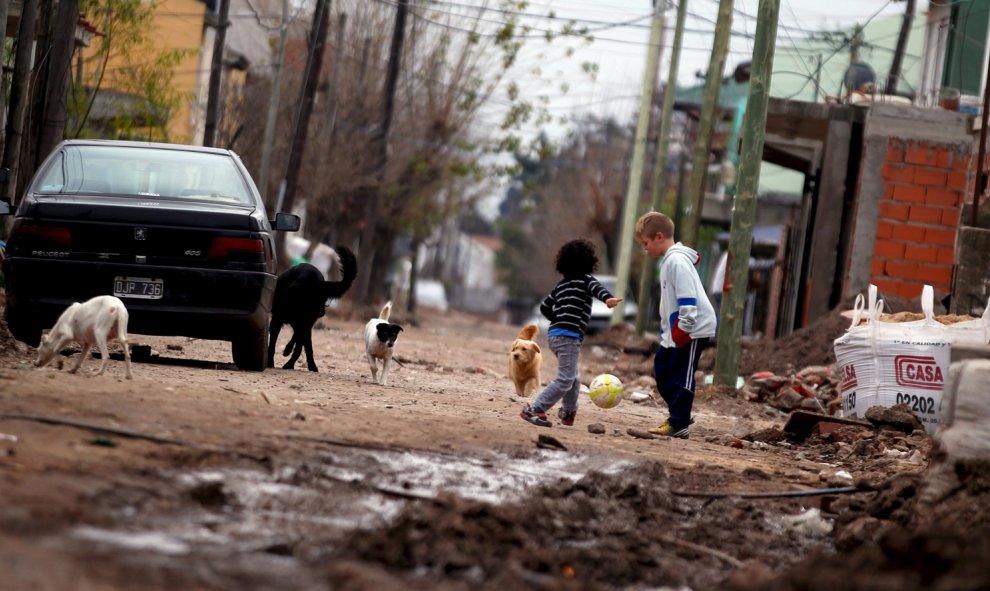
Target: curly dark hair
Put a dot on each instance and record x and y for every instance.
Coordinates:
(576, 258)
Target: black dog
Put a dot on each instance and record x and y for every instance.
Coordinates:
(301, 294)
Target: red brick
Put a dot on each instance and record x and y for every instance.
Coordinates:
(920, 153)
(943, 197)
(925, 215)
(940, 236)
(922, 254)
(941, 288)
(910, 290)
(946, 256)
(893, 211)
(961, 161)
(886, 285)
(901, 269)
(934, 273)
(895, 151)
(885, 230)
(898, 172)
(943, 158)
(877, 267)
(886, 248)
(950, 217)
(909, 233)
(958, 180)
(930, 177)
(909, 193)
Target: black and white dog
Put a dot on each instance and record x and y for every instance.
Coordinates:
(301, 294)
(379, 341)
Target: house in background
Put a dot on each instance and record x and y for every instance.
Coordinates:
(189, 26)
(955, 54)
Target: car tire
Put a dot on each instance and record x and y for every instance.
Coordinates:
(251, 351)
(22, 328)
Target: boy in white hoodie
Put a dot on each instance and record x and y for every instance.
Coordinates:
(687, 321)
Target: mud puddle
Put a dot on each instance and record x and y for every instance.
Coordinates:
(236, 514)
(365, 519)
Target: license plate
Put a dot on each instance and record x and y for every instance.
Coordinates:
(138, 287)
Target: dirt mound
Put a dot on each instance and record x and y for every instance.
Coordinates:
(602, 532)
(894, 541)
(810, 345)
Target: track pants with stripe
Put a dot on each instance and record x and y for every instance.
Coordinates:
(673, 368)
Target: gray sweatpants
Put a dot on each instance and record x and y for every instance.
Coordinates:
(567, 384)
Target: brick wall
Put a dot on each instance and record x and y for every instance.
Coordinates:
(924, 184)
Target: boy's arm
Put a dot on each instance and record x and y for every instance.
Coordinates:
(598, 290)
(687, 303)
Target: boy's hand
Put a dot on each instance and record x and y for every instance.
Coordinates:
(613, 302)
(679, 337)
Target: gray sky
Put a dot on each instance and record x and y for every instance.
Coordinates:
(620, 49)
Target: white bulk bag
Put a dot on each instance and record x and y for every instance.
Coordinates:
(888, 363)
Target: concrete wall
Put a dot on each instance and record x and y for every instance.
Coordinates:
(915, 172)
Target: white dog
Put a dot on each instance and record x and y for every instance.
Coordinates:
(95, 322)
(379, 341)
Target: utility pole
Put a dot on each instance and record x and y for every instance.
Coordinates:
(3, 79)
(53, 117)
(744, 208)
(631, 205)
(334, 75)
(895, 67)
(20, 96)
(366, 251)
(311, 77)
(216, 74)
(706, 124)
(648, 272)
(266, 148)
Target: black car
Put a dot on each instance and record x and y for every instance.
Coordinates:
(178, 233)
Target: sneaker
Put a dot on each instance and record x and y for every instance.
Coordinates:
(567, 416)
(669, 431)
(537, 418)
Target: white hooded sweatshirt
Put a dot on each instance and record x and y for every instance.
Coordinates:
(685, 312)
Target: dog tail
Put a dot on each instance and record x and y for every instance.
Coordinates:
(386, 311)
(528, 332)
(349, 270)
(120, 319)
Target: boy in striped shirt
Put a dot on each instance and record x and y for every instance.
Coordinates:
(568, 307)
(687, 321)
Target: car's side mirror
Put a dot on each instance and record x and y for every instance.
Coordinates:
(286, 222)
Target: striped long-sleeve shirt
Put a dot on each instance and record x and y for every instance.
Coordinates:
(568, 307)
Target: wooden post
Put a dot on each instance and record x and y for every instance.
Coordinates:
(706, 125)
(366, 251)
(744, 209)
(273, 101)
(631, 206)
(648, 273)
(300, 129)
(216, 75)
(20, 98)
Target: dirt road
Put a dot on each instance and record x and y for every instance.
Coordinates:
(209, 478)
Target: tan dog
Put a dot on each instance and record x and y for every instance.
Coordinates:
(525, 361)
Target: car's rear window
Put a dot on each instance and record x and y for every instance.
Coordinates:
(144, 172)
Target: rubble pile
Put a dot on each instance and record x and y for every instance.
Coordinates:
(814, 388)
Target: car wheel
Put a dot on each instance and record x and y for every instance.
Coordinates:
(251, 351)
(22, 328)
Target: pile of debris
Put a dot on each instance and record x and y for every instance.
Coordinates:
(814, 388)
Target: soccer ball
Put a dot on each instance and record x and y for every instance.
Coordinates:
(606, 391)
